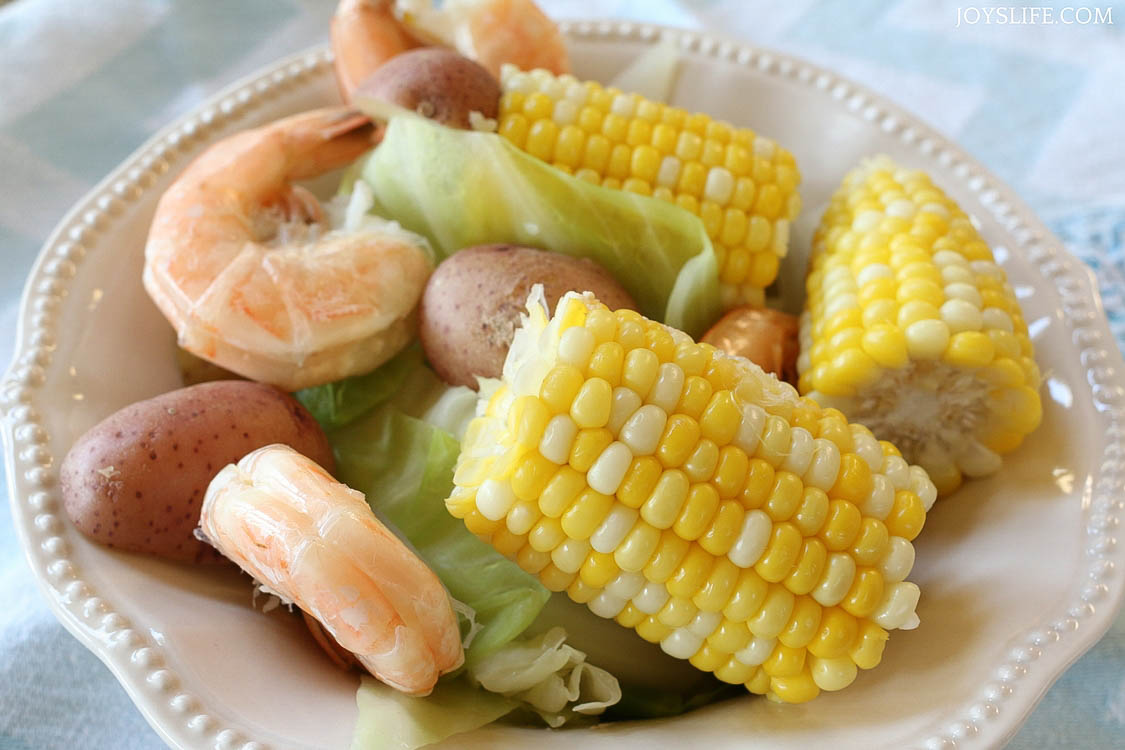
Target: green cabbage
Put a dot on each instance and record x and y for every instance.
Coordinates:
(461, 188)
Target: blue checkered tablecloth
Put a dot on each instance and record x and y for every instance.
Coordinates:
(82, 84)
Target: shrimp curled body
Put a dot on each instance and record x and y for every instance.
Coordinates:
(239, 260)
(315, 542)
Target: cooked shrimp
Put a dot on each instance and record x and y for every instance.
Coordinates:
(239, 260)
(367, 33)
(316, 543)
(768, 338)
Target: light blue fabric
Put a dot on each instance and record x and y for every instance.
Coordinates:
(83, 84)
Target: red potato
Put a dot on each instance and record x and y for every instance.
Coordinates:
(136, 480)
(472, 303)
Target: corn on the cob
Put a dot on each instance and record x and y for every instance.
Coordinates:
(742, 185)
(911, 328)
(692, 497)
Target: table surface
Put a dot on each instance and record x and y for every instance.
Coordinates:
(83, 84)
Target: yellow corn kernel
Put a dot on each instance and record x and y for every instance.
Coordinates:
(781, 554)
(587, 512)
(587, 446)
(802, 625)
(812, 513)
(785, 497)
(606, 363)
(640, 370)
(773, 446)
(668, 496)
(667, 556)
(842, 525)
(747, 598)
(596, 155)
(721, 418)
(598, 569)
(532, 560)
(867, 647)
(735, 672)
(507, 543)
(695, 397)
(592, 403)
(541, 139)
(677, 612)
(531, 476)
(560, 491)
(759, 484)
(907, 515)
(556, 580)
(689, 578)
(799, 689)
(835, 634)
(559, 388)
(681, 433)
(730, 472)
(640, 481)
(708, 658)
(716, 591)
(872, 543)
(527, 420)
(774, 613)
(865, 594)
(854, 482)
(578, 590)
(700, 465)
(809, 567)
(698, 511)
(785, 662)
(636, 550)
(652, 630)
(629, 616)
(724, 528)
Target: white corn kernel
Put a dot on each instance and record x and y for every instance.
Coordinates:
(897, 471)
(609, 468)
(495, 499)
(642, 431)
(839, 303)
(625, 404)
(927, 339)
(967, 292)
(867, 220)
(665, 392)
(669, 173)
(750, 429)
(935, 208)
(624, 105)
(943, 258)
(719, 185)
(921, 485)
(607, 605)
(898, 605)
(613, 529)
(824, 466)
(960, 315)
(576, 345)
(565, 112)
(995, 318)
(874, 271)
(975, 460)
(833, 674)
(626, 585)
(867, 447)
(764, 148)
(957, 275)
(756, 651)
(898, 562)
(836, 580)
(903, 208)
(879, 502)
(522, 517)
(988, 268)
(570, 554)
(651, 598)
(681, 643)
(752, 539)
(704, 623)
(780, 244)
(557, 438)
(800, 451)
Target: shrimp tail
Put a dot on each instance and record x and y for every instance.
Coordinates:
(365, 34)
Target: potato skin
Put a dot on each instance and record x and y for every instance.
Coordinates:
(472, 303)
(135, 481)
(437, 83)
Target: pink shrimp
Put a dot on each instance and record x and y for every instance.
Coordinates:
(315, 542)
(368, 33)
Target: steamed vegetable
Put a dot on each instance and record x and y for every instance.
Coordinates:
(695, 499)
(912, 329)
(741, 184)
(472, 303)
(460, 188)
(135, 481)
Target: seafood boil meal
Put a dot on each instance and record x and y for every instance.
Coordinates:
(514, 420)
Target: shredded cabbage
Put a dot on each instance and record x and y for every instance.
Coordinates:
(462, 188)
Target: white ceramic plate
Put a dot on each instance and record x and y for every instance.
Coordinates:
(1019, 573)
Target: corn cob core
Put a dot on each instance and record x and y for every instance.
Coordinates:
(743, 186)
(690, 496)
(911, 328)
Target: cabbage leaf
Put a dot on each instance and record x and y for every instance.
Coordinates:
(461, 188)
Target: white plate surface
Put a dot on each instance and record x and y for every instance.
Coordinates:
(1020, 573)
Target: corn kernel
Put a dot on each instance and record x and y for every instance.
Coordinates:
(698, 511)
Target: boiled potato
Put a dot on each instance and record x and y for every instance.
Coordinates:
(472, 303)
(437, 83)
(136, 480)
